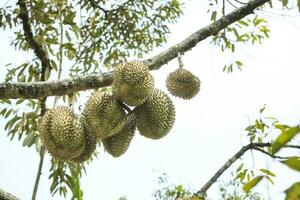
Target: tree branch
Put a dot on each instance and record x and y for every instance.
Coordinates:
(7, 196)
(45, 63)
(235, 157)
(64, 87)
(38, 49)
(39, 173)
(271, 155)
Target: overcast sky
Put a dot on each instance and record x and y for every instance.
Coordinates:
(208, 129)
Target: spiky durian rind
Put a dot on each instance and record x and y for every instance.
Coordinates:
(102, 114)
(132, 83)
(62, 133)
(156, 116)
(182, 83)
(118, 144)
(90, 144)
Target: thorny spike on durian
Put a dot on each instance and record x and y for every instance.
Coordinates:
(90, 143)
(156, 116)
(182, 83)
(118, 144)
(132, 83)
(62, 133)
(102, 114)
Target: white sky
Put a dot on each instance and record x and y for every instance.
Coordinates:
(208, 129)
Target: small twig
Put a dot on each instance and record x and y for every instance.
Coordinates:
(240, 2)
(271, 155)
(292, 146)
(60, 50)
(95, 5)
(39, 173)
(231, 4)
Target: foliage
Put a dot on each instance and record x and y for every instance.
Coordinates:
(229, 190)
(232, 190)
(252, 30)
(91, 36)
(170, 191)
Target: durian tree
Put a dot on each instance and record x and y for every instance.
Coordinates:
(101, 46)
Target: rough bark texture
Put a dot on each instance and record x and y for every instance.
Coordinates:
(234, 158)
(38, 49)
(7, 196)
(45, 63)
(39, 90)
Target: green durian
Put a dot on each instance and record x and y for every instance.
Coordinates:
(62, 133)
(102, 114)
(90, 143)
(132, 83)
(156, 116)
(182, 83)
(118, 144)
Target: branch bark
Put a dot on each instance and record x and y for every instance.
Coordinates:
(45, 63)
(40, 90)
(38, 48)
(235, 157)
(7, 196)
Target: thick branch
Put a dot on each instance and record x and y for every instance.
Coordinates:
(7, 196)
(57, 88)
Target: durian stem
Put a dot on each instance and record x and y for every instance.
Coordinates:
(39, 173)
(124, 106)
(180, 60)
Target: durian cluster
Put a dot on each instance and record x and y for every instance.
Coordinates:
(107, 118)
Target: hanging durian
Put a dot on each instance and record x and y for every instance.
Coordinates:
(62, 133)
(156, 116)
(90, 143)
(182, 83)
(118, 144)
(102, 114)
(132, 83)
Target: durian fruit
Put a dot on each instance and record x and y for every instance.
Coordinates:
(62, 133)
(90, 144)
(103, 114)
(132, 83)
(118, 144)
(156, 116)
(182, 83)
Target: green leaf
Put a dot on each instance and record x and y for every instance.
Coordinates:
(270, 179)
(240, 167)
(298, 3)
(29, 140)
(268, 172)
(248, 186)
(243, 23)
(213, 16)
(285, 136)
(293, 193)
(293, 163)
